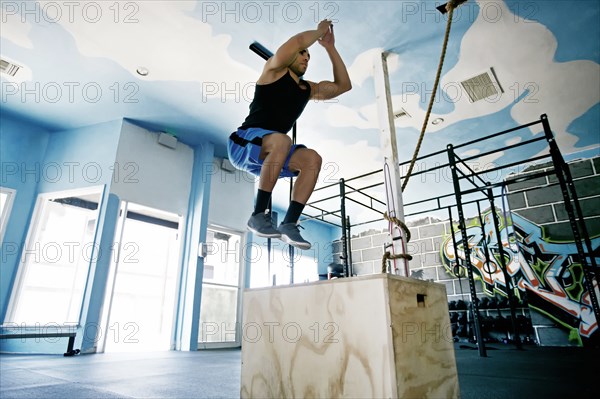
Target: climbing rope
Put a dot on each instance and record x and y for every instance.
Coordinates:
(387, 255)
(450, 6)
(393, 220)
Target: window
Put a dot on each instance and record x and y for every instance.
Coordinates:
(221, 287)
(56, 258)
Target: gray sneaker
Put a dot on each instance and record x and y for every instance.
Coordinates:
(261, 225)
(291, 235)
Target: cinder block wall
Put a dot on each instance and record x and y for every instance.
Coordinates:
(545, 205)
(427, 235)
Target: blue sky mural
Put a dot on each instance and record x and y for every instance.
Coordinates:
(79, 60)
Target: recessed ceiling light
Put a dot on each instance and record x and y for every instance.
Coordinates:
(437, 121)
(142, 71)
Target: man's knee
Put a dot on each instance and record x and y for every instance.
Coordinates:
(308, 162)
(277, 142)
(314, 160)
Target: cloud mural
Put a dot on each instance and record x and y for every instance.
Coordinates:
(201, 73)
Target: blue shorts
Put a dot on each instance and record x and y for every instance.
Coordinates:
(243, 149)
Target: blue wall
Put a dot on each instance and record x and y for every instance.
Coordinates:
(192, 268)
(36, 161)
(81, 157)
(22, 150)
(321, 235)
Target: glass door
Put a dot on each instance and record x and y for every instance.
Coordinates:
(221, 289)
(142, 301)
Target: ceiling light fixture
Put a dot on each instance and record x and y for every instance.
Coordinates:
(437, 121)
(142, 71)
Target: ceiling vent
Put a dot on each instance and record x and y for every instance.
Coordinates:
(482, 86)
(8, 68)
(401, 113)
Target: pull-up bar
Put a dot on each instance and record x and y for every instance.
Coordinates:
(261, 50)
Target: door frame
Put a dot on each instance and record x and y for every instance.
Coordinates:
(114, 267)
(240, 287)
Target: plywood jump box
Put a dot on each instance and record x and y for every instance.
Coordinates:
(376, 336)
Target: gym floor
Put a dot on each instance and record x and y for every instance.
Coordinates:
(535, 372)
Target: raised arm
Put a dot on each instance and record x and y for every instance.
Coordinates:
(325, 89)
(285, 55)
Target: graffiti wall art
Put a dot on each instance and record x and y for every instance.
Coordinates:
(549, 273)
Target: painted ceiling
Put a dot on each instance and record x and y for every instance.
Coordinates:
(79, 63)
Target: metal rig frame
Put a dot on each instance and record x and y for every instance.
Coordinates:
(479, 190)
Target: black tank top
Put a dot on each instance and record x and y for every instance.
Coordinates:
(277, 105)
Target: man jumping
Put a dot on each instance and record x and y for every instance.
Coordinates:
(261, 145)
